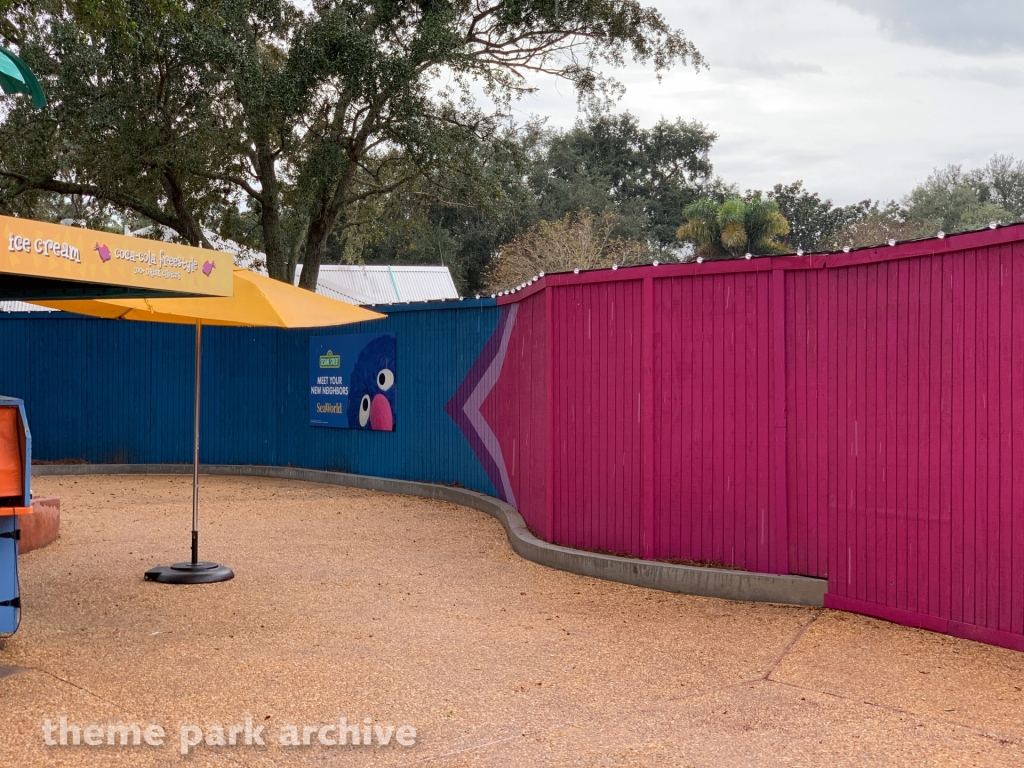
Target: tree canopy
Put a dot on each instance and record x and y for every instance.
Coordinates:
(292, 113)
(734, 228)
(351, 130)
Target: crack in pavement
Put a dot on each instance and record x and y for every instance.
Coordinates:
(789, 646)
(79, 687)
(1002, 738)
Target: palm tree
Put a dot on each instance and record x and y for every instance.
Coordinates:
(734, 228)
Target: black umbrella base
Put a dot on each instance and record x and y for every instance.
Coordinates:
(190, 573)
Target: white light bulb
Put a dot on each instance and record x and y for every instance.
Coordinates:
(993, 224)
(941, 234)
(748, 256)
(478, 295)
(615, 266)
(494, 296)
(541, 275)
(576, 271)
(700, 259)
(799, 251)
(892, 241)
(655, 263)
(846, 249)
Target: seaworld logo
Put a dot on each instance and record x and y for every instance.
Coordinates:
(330, 360)
(329, 408)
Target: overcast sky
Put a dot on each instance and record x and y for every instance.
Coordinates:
(859, 98)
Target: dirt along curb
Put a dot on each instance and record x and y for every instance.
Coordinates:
(686, 579)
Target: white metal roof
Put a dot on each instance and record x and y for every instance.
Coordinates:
(382, 284)
(352, 283)
(21, 306)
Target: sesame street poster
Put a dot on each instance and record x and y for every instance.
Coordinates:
(352, 381)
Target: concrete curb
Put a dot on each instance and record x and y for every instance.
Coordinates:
(708, 582)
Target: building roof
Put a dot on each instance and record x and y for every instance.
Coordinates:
(21, 306)
(352, 283)
(382, 284)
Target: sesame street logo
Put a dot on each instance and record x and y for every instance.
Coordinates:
(330, 360)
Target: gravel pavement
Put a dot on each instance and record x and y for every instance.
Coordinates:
(410, 612)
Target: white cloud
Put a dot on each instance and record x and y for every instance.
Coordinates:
(831, 94)
(975, 26)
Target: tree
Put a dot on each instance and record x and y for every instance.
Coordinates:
(580, 240)
(303, 116)
(949, 200)
(385, 58)
(609, 162)
(734, 227)
(127, 126)
(880, 222)
(458, 218)
(523, 175)
(814, 224)
(952, 200)
(1004, 177)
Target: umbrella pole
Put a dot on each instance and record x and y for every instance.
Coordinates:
(193, 572)
(195, 452)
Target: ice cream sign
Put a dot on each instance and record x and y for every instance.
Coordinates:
(38, 249)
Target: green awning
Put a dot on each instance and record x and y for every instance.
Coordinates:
(16, 77)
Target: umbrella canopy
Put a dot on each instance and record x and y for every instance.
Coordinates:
(16, 77)
(257, 301)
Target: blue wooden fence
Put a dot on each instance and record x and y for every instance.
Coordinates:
(109, 391)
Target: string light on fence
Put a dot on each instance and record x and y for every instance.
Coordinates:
(700, 259)
(748, 256)
(615, 266)
(799, 251)
(941, 234)
(656, 262)
(993, 224)
(892, 241)
(846, 249)
(576, 271)
(478, 295)
(541, 275)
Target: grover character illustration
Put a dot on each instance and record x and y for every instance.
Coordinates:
(208, 267)
(372, 389)
(103, 251)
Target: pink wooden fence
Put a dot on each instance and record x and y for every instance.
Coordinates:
(853, 416)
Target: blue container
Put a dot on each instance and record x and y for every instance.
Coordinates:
(10, 595)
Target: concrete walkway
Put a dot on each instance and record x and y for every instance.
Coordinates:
(415, 612)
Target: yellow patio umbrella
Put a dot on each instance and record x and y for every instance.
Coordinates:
(256, 301)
